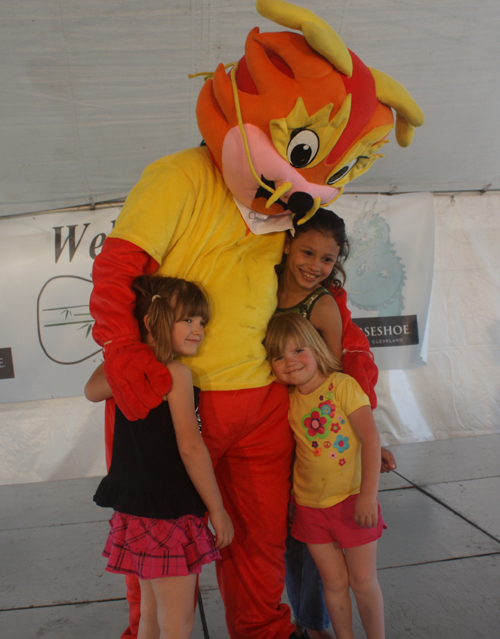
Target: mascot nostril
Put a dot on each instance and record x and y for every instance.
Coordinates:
(300, 203)
(262, 192)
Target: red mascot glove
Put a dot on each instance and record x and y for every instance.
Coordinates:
(357, 360)
(137, 379)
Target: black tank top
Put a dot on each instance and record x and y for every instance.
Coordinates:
(306, 306)
(147, 477)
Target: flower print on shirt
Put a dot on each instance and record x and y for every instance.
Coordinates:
(327, 408)
(341, 443)
(316, 425)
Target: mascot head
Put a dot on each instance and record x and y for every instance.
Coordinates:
(299, 115)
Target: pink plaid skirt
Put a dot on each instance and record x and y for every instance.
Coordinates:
(155, 548)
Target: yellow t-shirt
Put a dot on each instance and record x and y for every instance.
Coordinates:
(328, 453)
(183, 215)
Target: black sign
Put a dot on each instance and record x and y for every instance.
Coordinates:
(6, 364)
(400, 330)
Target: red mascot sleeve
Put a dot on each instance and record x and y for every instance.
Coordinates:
(137, 379)
(357, 360)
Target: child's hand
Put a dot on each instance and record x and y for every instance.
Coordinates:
(388, 462)
(223, 526)
(366, 511)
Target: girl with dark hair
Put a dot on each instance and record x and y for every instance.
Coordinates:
(312, 261)
(311, 269)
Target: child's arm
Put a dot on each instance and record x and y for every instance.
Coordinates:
(194, 453)
(326, 319)
(366, 508)
(97, 388)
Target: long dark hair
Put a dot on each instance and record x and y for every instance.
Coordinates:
(327, 223)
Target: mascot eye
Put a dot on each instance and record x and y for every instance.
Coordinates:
(340, 174)
(302, 148)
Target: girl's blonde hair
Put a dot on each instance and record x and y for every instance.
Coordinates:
(284, 326)
(165, 300)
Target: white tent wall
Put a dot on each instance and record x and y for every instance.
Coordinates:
(456, 394)
(51, 439)
(94, 91)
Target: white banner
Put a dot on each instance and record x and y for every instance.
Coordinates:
(46, 347)
(389, 273)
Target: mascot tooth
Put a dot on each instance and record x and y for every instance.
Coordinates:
(286, 127)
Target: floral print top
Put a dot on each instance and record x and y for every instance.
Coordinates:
(328, 453)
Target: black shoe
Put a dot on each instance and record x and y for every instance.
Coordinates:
(304, 635)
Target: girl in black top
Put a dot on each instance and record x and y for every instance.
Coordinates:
(161, 481)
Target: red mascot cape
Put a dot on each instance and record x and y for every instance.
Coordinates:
(286, 128)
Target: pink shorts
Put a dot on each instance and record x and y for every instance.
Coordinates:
(155, 548)
(334, 524)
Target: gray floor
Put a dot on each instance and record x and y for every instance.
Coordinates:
(439, 560)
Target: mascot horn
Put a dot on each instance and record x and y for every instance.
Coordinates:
(299, 116)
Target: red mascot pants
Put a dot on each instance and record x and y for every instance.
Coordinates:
(251, 445)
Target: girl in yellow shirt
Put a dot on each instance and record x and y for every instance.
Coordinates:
(336, 471)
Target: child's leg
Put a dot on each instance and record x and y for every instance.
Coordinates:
(148, 623)
(333, 570)
(362, 566)
(174, 600)
(305, 591)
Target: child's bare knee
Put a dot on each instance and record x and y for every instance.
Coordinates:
(148, 610)
(364, 583)
(179, 628)
(336, 583)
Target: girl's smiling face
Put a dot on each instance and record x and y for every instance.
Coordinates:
(186, 335)
(311, 257)
(297, 366)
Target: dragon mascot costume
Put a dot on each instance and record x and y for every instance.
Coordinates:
(285, 128)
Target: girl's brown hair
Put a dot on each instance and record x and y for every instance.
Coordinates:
(165, 300)
(284, 326)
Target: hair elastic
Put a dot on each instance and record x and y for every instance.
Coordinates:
(155, 296)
